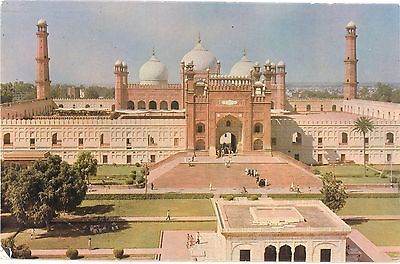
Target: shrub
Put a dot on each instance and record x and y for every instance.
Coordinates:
(253, 197)
(129, 182)
(118, 253)
(261, 183)
(22, 252)
(142, 196)
(316, 171)
(72, 253)
(137, 164)
(394, 180)
(383, 175)
(229, 197)
(139, 179)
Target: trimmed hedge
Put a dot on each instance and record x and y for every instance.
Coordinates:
(374, 195)
(72, 253)
(150, 196)
(230, 197)
(118, 253)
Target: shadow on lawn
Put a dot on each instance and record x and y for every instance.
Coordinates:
(356, 221)
(94, 209)
(83, 229)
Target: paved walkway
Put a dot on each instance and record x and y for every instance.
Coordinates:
(74, 218)
(370, 251)
(102, 251)
(390, 248)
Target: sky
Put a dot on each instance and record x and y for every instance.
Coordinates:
(86, 38)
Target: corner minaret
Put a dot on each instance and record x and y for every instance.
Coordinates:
(42, 62)
(121, 85)
(350, 63)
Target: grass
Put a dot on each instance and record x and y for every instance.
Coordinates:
(364, 180)
(371, 206)
(346, 170)
(114, 174)
(381, 232)
(395, 168)
(132, 235)
(178, 207)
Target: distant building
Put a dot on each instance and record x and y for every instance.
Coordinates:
(73, 92)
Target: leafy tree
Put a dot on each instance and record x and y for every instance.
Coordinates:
(363, 125)
(383, 93)
(363, 93)
(85, 165)
(37, 193)
(91, 93)
(334, 192)
(8, 176)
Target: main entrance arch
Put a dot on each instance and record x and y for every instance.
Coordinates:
(229, 134)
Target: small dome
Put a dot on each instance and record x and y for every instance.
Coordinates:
(242, 67)
(118, 63)
(201, 57)
(268, 62)
(153, 72)
(281, 64)
(42, 22)
(124, 64)
(272, 65)
(351, 24)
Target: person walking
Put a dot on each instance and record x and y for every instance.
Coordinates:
(168, 215)
(90, 243)
(198, 238)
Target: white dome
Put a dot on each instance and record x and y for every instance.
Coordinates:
(351, 24)
(42, 22)
(153, 72)
(201, 57)
(118, 63)
(281, 64)
(242, 67)
(124, 64)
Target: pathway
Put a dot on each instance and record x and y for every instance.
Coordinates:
(100, 251)
(370, 217)
(75, 218)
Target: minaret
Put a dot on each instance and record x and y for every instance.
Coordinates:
(280, 86)
(121, 85)
(42, 62)
(350, 63)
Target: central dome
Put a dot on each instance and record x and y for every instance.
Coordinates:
(242, 67)
(201, 57)
(153, 72)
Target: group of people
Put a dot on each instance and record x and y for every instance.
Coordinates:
(254, 173)
(191, 160)
(191, 241)
(98, 229)
(223, 150)
(295, 188)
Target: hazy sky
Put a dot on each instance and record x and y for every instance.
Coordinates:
(86, 38)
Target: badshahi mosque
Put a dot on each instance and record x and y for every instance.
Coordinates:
(207, 112)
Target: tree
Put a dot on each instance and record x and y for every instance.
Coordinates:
(363, 125)
(8, 176)
(91, 93)
(334, 192)
(85, 165)
(37, 193)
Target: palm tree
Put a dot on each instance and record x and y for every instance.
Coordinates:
(363, 125)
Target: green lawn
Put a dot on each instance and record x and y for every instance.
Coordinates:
(364, 180)
(132, 235)
(395, 168)
(371, 206)
(382, 232)
(178, 207)
(346, 170)
(114, 174)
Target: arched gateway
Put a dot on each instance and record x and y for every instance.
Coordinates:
(229, 134)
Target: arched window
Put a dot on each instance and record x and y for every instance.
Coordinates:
(60, 105)
(344, 138)
(270, 253)
(295, 108)
(7, 139)
(389, 138)
(285, 253)
(228, 123)
(101, 139)
(87, 106)
(152, 105)
(322, 108)
(297, 138)
(272, 105)
(200, 145)
(258, 144)
(113, 108)
(300, 253)
(174, 105)
(54, 139)
(131, 105)
(141, 105)
(200, 128)
(258, 128)
(333, 108)
(308, 108)
(163, 105)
